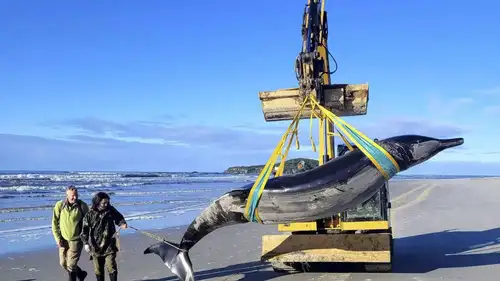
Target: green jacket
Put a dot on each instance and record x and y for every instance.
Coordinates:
(67, 220)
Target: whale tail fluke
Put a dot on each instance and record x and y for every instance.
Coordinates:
(177, 261)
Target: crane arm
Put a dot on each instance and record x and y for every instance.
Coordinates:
(312, 63)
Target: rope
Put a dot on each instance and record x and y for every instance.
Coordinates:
(382, 160)
(156, 237)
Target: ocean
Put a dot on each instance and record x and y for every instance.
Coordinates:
(147, 200)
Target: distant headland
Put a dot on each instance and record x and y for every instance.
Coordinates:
(291, 166)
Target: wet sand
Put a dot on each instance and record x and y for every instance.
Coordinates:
(444, 230)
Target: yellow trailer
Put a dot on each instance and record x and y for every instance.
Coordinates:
(362, 235)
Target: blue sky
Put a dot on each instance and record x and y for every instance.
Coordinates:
(169, 86)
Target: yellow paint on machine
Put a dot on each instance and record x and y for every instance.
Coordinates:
(365, 248)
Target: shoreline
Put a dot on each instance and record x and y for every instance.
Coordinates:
(24, 240)
(208, 255)
(442, 229)
(128, 233)
(40, 237)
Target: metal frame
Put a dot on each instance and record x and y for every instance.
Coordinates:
(313, 73)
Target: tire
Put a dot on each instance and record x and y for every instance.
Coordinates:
(378, 267)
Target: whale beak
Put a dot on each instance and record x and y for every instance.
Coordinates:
(448, 143)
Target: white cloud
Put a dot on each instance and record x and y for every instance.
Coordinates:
(461, 101)
(102, 144)
(493, 109)
(445, 107)
(493, 91)
(469, 155)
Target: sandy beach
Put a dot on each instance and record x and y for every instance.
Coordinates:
(444, 230)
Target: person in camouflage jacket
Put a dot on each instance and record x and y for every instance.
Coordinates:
(98, 235)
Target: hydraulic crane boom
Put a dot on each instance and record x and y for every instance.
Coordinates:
(312, 63)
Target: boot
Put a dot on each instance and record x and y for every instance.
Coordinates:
(72, 275)
(81, 274)
(113, 276)
(99, 277)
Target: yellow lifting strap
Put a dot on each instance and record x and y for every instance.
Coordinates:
(382, 160)
(253, 198)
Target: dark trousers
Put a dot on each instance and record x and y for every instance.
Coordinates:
(108, 261)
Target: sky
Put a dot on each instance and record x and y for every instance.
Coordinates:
(173, 85)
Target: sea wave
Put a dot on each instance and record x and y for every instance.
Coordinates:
(118, 204)
(47, 182)
(148, 200)
(145, 215)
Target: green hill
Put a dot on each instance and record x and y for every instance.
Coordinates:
(291, 166)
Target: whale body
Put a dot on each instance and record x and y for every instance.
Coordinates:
(338, 185)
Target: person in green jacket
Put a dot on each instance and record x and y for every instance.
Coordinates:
(99, 235)
(67, 221)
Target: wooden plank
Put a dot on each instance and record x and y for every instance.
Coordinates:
(341, 99)
(327, 248)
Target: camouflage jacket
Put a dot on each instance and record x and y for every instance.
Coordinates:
(98, 230)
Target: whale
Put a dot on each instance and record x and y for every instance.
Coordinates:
(336, 186)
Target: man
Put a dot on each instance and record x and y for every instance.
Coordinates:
(98, 234)
(67, 221)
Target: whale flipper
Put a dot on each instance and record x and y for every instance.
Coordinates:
(177, 261)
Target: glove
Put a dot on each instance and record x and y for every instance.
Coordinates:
(62, 244)
(87, 248)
